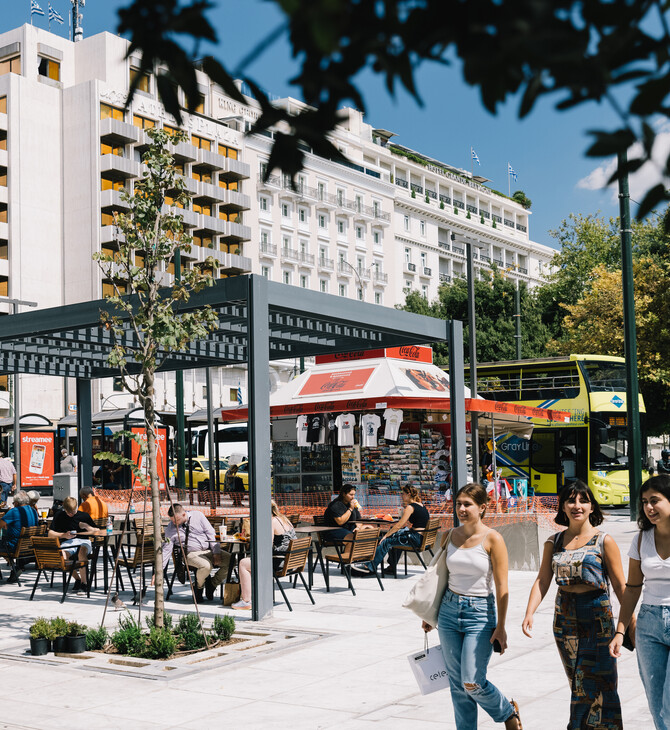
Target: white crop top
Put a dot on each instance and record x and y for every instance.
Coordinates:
(470, 570)
(656, 571)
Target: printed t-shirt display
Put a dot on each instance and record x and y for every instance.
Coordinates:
(345, 423)
(314, 428)
(393, 418)
(370, 422)
(331, 429)
(301, 428)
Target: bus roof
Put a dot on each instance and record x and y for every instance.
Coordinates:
(549, 361)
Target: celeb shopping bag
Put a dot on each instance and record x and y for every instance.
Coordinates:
(429, 669)
(426, 594)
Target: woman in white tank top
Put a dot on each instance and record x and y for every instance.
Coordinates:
(477, 560)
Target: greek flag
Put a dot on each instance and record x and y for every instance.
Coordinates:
(55, 15)
(511, 172)
(474, 155)
(35, 9)
(239, 394)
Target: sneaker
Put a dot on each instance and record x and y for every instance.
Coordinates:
(363, 568)
(209, 588)
(77, 586)
(241, 606)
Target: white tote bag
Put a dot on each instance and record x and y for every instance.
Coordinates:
(429, 669)
(426, 594)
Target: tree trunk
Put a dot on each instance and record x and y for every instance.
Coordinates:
(149, 425)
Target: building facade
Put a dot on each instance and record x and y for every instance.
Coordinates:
(391, 220)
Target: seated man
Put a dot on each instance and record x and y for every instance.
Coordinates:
(91, 504)
(21, 515)
(66, 524)
(341, 514)
(202, 549)
(34, 498)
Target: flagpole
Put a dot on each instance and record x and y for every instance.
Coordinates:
(472, 170)
(509, 184)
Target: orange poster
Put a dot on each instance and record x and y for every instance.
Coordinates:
(37, 458)
(161, 455)
(340, 381)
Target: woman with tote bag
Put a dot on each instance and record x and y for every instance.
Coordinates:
(476, 560)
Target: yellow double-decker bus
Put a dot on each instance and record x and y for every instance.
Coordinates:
(593, 447)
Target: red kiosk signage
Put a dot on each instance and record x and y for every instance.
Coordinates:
(161, 454)
(38, 449)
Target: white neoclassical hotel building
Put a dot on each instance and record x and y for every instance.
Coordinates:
(390, 220)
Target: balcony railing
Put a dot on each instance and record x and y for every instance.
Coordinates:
(445, 277)
(498, 262)
(496, 218)
(459, 204)
(523, 270)
(401, 183)
(431, 194)
(472, 208)
(410, 266)
(416, 187)
(509, 223)
(521, 228)
(484, 257)
(485, 213)
(289, 254)
(325, 264)
(268, 249)
(427, 271)
(307, 258)
(381, 277)
(444, 245)
(345, 268)
(458, 249)
(445, 199)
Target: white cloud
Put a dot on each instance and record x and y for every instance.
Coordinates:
(650, 174)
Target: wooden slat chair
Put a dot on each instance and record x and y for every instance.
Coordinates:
(361, 549)
(324, 542)
(98, 542)
(143, 553)
(295, 519)
(294, 565)
(216, 521)
(428, 540)
(49, 556)
(23, 551)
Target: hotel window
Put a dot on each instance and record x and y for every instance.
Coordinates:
(340, 198)
(266, 272)
(203, 241)
(286, 243)
(375, 208)
(343, 290)
(263, 203)
(406, 222)
(302, 215)
(422, 228)
(323, 286)
(201, 142)
(107, 219)
(359, 233)
(202, 175)
(303, 281)
(143, 122)
(376, 237)
(359, 203)
(286, 278)
(323, 221)
(107, 111)
(200, 106)
(423, 261)
(285, 210)
(228, 151)
(49, 68)
(140, 79)
(424, 291)
(10, 65)
(265, 238)
(107, 183)
(340, 227)
(204, 208)
(112, 149)
(321, 190)
(378, 297)
(408, 256)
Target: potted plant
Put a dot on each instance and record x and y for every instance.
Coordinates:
(59, 629)
(75, 640)
(41, 634)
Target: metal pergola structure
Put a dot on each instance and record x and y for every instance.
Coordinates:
(259, 321)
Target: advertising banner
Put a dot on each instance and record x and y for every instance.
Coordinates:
(161, 455)
(339, 381)
(38, 450)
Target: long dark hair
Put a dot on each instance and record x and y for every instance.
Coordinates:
(660, 483)
(477, 494)
(578, 488)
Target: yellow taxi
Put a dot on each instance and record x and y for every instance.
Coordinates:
(200, 471)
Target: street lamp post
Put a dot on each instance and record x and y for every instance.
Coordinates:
(17, 410)
(358, 277)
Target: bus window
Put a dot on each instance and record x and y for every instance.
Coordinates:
(544, 384)
(604, 376)
(609, 441)
(543, 451)
(500, 386)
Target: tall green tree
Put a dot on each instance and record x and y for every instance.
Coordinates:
(494, 316)
(577, 52)
(150, 234)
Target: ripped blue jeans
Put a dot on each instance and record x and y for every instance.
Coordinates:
(465, 625)
(404, 536)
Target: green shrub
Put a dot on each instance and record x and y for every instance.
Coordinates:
(76, 629)
(128, 639)
(161, 644)
(59, 627)
(468, 216)
(96, 639)
(189, 632)
(223, 627)
(441, 204)
(42, 628)
(413, 193)
(427, 199)
(167, 621)
(455, 211)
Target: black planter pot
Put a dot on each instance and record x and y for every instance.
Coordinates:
(39, 647)
(76, 644)
(60, 644)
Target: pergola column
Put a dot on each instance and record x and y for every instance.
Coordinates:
(459, 467)
(84, 434)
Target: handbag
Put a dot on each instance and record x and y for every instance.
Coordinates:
(429, 668)
(231, 593)
(426, 594)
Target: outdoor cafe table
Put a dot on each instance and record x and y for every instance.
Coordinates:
(311, 530)
(105, 549)
(242, 547)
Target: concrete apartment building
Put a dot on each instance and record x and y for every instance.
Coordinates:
(389, 221)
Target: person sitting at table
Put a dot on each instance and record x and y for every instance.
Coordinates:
(92, 504)
(341, 514)
(33, 499)
(404, 532)
(282, 534)
(65, 525)
(21, 515)
(201, 547)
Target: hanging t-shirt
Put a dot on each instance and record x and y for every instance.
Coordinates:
(301, 428)
(314, 426)
(345, 423)
(331, 429)
(393, 418)
(370, 422)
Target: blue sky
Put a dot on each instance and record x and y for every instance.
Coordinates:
(546, 149)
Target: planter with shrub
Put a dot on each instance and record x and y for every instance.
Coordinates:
(59, 628)
(76, 638)
(41, 635)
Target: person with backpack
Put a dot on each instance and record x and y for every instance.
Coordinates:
(649, 567)
(583, 560)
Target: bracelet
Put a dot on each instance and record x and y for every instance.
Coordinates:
(634, 585)
(619, 632)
